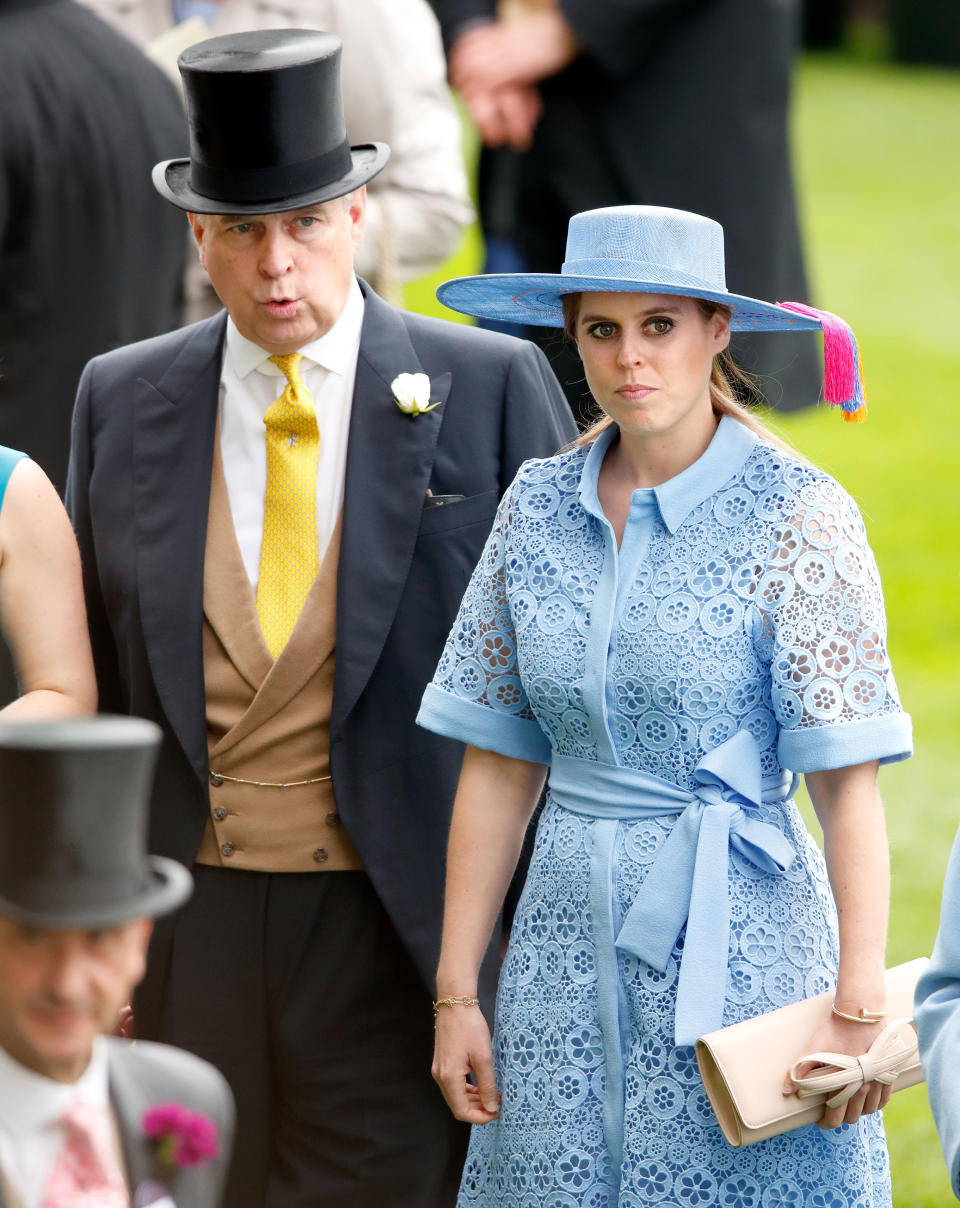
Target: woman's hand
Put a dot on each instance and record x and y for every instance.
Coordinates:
(461, 1047)
(840, 1036)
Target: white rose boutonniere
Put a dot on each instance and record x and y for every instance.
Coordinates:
(411, 393)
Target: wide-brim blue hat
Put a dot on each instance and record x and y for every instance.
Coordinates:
(655, 250)
(623, 249)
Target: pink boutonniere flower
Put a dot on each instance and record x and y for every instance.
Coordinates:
(181, 1137)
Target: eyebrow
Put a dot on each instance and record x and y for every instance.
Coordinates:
(650, 310)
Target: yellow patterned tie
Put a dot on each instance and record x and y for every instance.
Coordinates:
(288, 555)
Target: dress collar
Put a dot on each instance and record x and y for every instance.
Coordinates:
(676, 498)
(335, 350)
(31, 1101)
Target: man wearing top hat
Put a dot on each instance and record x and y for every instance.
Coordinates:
(275, 535)
(82, 1115)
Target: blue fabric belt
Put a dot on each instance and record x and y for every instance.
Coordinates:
(687, 882)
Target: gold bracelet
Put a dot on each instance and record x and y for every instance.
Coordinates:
(456, 1000)
(863, 1016)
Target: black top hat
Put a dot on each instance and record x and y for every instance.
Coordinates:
(266, 126)
(73, 823)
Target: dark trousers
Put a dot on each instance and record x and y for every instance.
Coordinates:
(297, 987)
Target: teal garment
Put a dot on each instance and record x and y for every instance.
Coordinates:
(9, 458)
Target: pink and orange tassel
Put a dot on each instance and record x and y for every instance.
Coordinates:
(842, 370)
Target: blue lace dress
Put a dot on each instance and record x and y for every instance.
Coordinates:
(673, 686)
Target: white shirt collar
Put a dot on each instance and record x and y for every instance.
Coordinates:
(30, 1101)
(335, 350)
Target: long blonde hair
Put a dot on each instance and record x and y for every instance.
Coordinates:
(729, 384)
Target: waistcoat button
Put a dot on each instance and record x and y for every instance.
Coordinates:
(216, 779)
(227, 849)
(333, 819)
(219, 813)
(320, 855)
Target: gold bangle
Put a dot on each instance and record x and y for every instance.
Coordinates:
(863, 1016)
(456, 1000)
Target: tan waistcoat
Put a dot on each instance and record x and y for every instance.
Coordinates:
(268, 720)
(513, 10)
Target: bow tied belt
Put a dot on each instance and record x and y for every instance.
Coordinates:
(687, 881)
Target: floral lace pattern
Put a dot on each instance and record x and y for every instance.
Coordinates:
(548, 1147)
(759, 610)
(762, 611)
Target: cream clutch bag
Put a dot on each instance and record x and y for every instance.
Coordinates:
(743, 1065)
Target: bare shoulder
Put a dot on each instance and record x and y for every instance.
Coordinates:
(32, 517)
(28, 488)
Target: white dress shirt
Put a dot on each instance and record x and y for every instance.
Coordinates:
(30, 1110)
(249, 383)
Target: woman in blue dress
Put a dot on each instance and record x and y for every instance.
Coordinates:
(675, 617)
(41, 597)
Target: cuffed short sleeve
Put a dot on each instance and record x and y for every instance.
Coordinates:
(824, 629)
(476, 694)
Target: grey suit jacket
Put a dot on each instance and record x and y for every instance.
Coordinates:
(142, 1075)
(138, 493)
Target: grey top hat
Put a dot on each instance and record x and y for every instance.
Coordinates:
(622, 249)
(74, 796)
(266, 126)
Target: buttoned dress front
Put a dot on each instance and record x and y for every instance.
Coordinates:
(674, 686)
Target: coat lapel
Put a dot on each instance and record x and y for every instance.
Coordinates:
(229, 602)
(173, 438)
(130, 1103)
(389, 460)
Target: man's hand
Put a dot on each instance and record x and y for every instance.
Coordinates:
(506, 116)
(500, 53)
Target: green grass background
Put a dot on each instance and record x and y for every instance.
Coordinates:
(878, 178)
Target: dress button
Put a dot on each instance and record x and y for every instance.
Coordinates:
(227, 849)
(216, 779)
(320, 855)
(333, 819)
(220, 813)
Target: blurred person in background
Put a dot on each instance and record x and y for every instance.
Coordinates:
(394, 91)
(938, 1021)
(83, 117)
(90, 257)
(583, 104)
(89, 1120)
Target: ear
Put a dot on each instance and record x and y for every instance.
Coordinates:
(720, 331)
(196, 225)
(358, 216)
(141, 930)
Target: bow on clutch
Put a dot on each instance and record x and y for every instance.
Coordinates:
(884, 1059)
